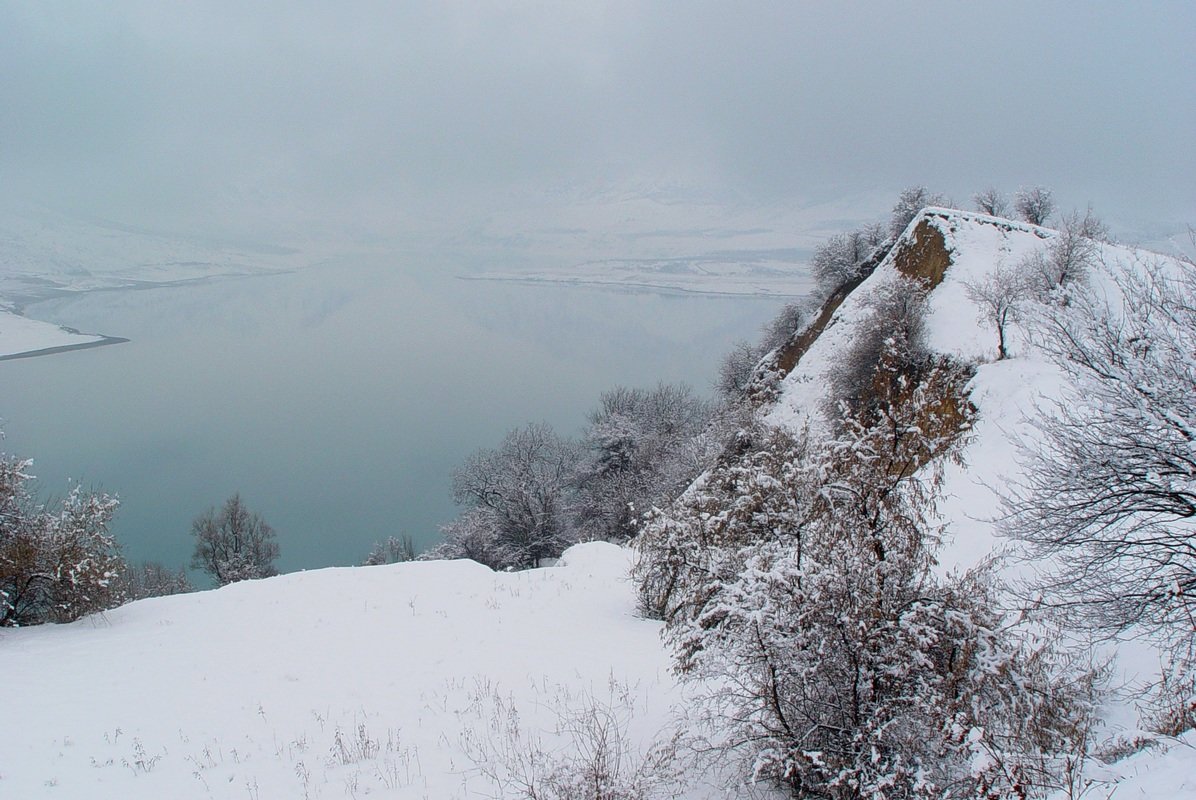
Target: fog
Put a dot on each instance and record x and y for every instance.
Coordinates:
(452, 122)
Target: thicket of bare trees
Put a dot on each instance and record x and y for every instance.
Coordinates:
(152, 579)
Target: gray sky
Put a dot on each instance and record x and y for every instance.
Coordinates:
(382, 118)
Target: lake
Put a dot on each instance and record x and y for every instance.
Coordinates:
(336, 399)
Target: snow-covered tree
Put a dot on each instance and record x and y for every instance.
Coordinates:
(844, 257)
(1067, 259)
(1000, 296)
(234, 544)
(394, 550)
(785, 323)
(521, 496)
(736, 369)
(57, 563)
(1034, 204)
(642, 446)
(908, 204)
(992, 202)
(1109, 493)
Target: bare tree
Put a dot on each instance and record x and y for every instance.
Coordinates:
(152, 579)
(841, 258)
(788, 321)
(1068, 256)
(736, 368)
(234, 544)
(522, 493)
(909, 203)
(1109, 493)
(392, 551)
(1034, 204)
(991, 202)
(999, 296)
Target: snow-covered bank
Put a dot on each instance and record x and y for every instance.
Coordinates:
(21, 337)
(389, 681)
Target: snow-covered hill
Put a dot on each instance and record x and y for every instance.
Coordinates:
(447, 680)
(954, 250)
(412, 680)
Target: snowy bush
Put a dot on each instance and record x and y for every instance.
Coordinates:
(890, 343)
(57, 563)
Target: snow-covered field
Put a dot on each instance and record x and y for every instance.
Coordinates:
(421, 680)
(447, 680)
(412, 680)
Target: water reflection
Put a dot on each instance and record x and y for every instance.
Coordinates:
(337, 400)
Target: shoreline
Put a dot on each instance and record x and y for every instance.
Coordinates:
(103, 341)
(630, 286)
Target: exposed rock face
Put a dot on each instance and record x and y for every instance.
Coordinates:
(923, 254)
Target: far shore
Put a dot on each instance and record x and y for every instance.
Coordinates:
(49, 351)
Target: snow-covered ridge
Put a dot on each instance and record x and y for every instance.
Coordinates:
(1008, 394)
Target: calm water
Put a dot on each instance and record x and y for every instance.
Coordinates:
(337, 400)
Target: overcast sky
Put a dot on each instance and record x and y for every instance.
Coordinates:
(225, 116)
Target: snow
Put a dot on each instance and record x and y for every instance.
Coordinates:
(409, 680)
(1008, 394)
(1166, 771)
(239, 692)
(22, 336)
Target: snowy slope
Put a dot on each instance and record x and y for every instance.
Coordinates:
(241, 692)
(1007, 394)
